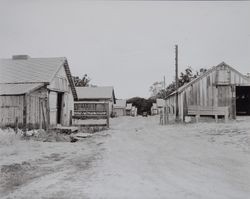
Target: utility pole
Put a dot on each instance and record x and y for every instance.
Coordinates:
(164, 86)
(176, 84)
(164, 108)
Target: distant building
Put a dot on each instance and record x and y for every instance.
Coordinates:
(120, 107)
(129, 109)
(97, 94)
(220, 86)
(134, 111)
(36, 92)
(160, 103)
(154, 109)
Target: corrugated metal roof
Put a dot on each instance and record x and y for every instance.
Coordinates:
(29, 70)
(18, 89)
(32, 70)
(95, 92)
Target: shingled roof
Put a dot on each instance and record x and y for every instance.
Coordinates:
(25, 72)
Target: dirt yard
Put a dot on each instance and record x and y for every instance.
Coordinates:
(136, 158)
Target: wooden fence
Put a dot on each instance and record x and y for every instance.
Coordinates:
(198, 111)
(91, 113)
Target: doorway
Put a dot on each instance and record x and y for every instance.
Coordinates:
(242, 100)
(59, 107)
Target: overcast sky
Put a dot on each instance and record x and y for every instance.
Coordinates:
(126, 44)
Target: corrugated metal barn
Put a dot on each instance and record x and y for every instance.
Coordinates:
(36, 92)
(220, 86)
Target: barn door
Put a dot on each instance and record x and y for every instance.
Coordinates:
(53, 107)
(43, 116)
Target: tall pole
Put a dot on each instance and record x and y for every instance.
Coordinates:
(176, 84)
(164, 86)
(164, 108)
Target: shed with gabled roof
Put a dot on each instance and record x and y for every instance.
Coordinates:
(129, 109)
(36, 92)
(120, 107)
(220, 86)
(97, 94)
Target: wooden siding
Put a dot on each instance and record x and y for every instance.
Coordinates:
(37, 108)
(120, 111)
(109, 101)
(53, 107)
(26, 108)
(60, 82)
(11, 107)
(216, 89)
(91, 112)
(68, 108)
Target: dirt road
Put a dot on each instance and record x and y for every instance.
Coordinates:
(136, 158)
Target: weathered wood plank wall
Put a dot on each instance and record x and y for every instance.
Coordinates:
(215, 89)
(11, 107)
(60, 83)
(36, 101)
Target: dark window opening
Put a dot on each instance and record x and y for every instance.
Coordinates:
(59, 107)
(243, 100)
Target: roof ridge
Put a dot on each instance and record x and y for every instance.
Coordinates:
(203, 75)
(32, 58)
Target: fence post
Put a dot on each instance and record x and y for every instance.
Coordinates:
(25, 113)
(70, 118)
(16, 125)
(107, 111)
(161, 117)
(43, 114)
(165, 115)
(47, 112)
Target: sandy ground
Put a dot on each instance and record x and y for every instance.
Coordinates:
(136, 158)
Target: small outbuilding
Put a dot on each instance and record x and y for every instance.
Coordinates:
(134, 111)
(120, 107)
(129, 109)
(154, 109)
(36, 92)
(219, 89)
(97, 94)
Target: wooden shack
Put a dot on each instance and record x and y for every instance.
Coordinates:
(120, 107)
(220, 89)
(97, 94)
(129, 109)
(154, 109)
(36, 92)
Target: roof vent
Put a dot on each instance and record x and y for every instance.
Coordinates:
(18, 57)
